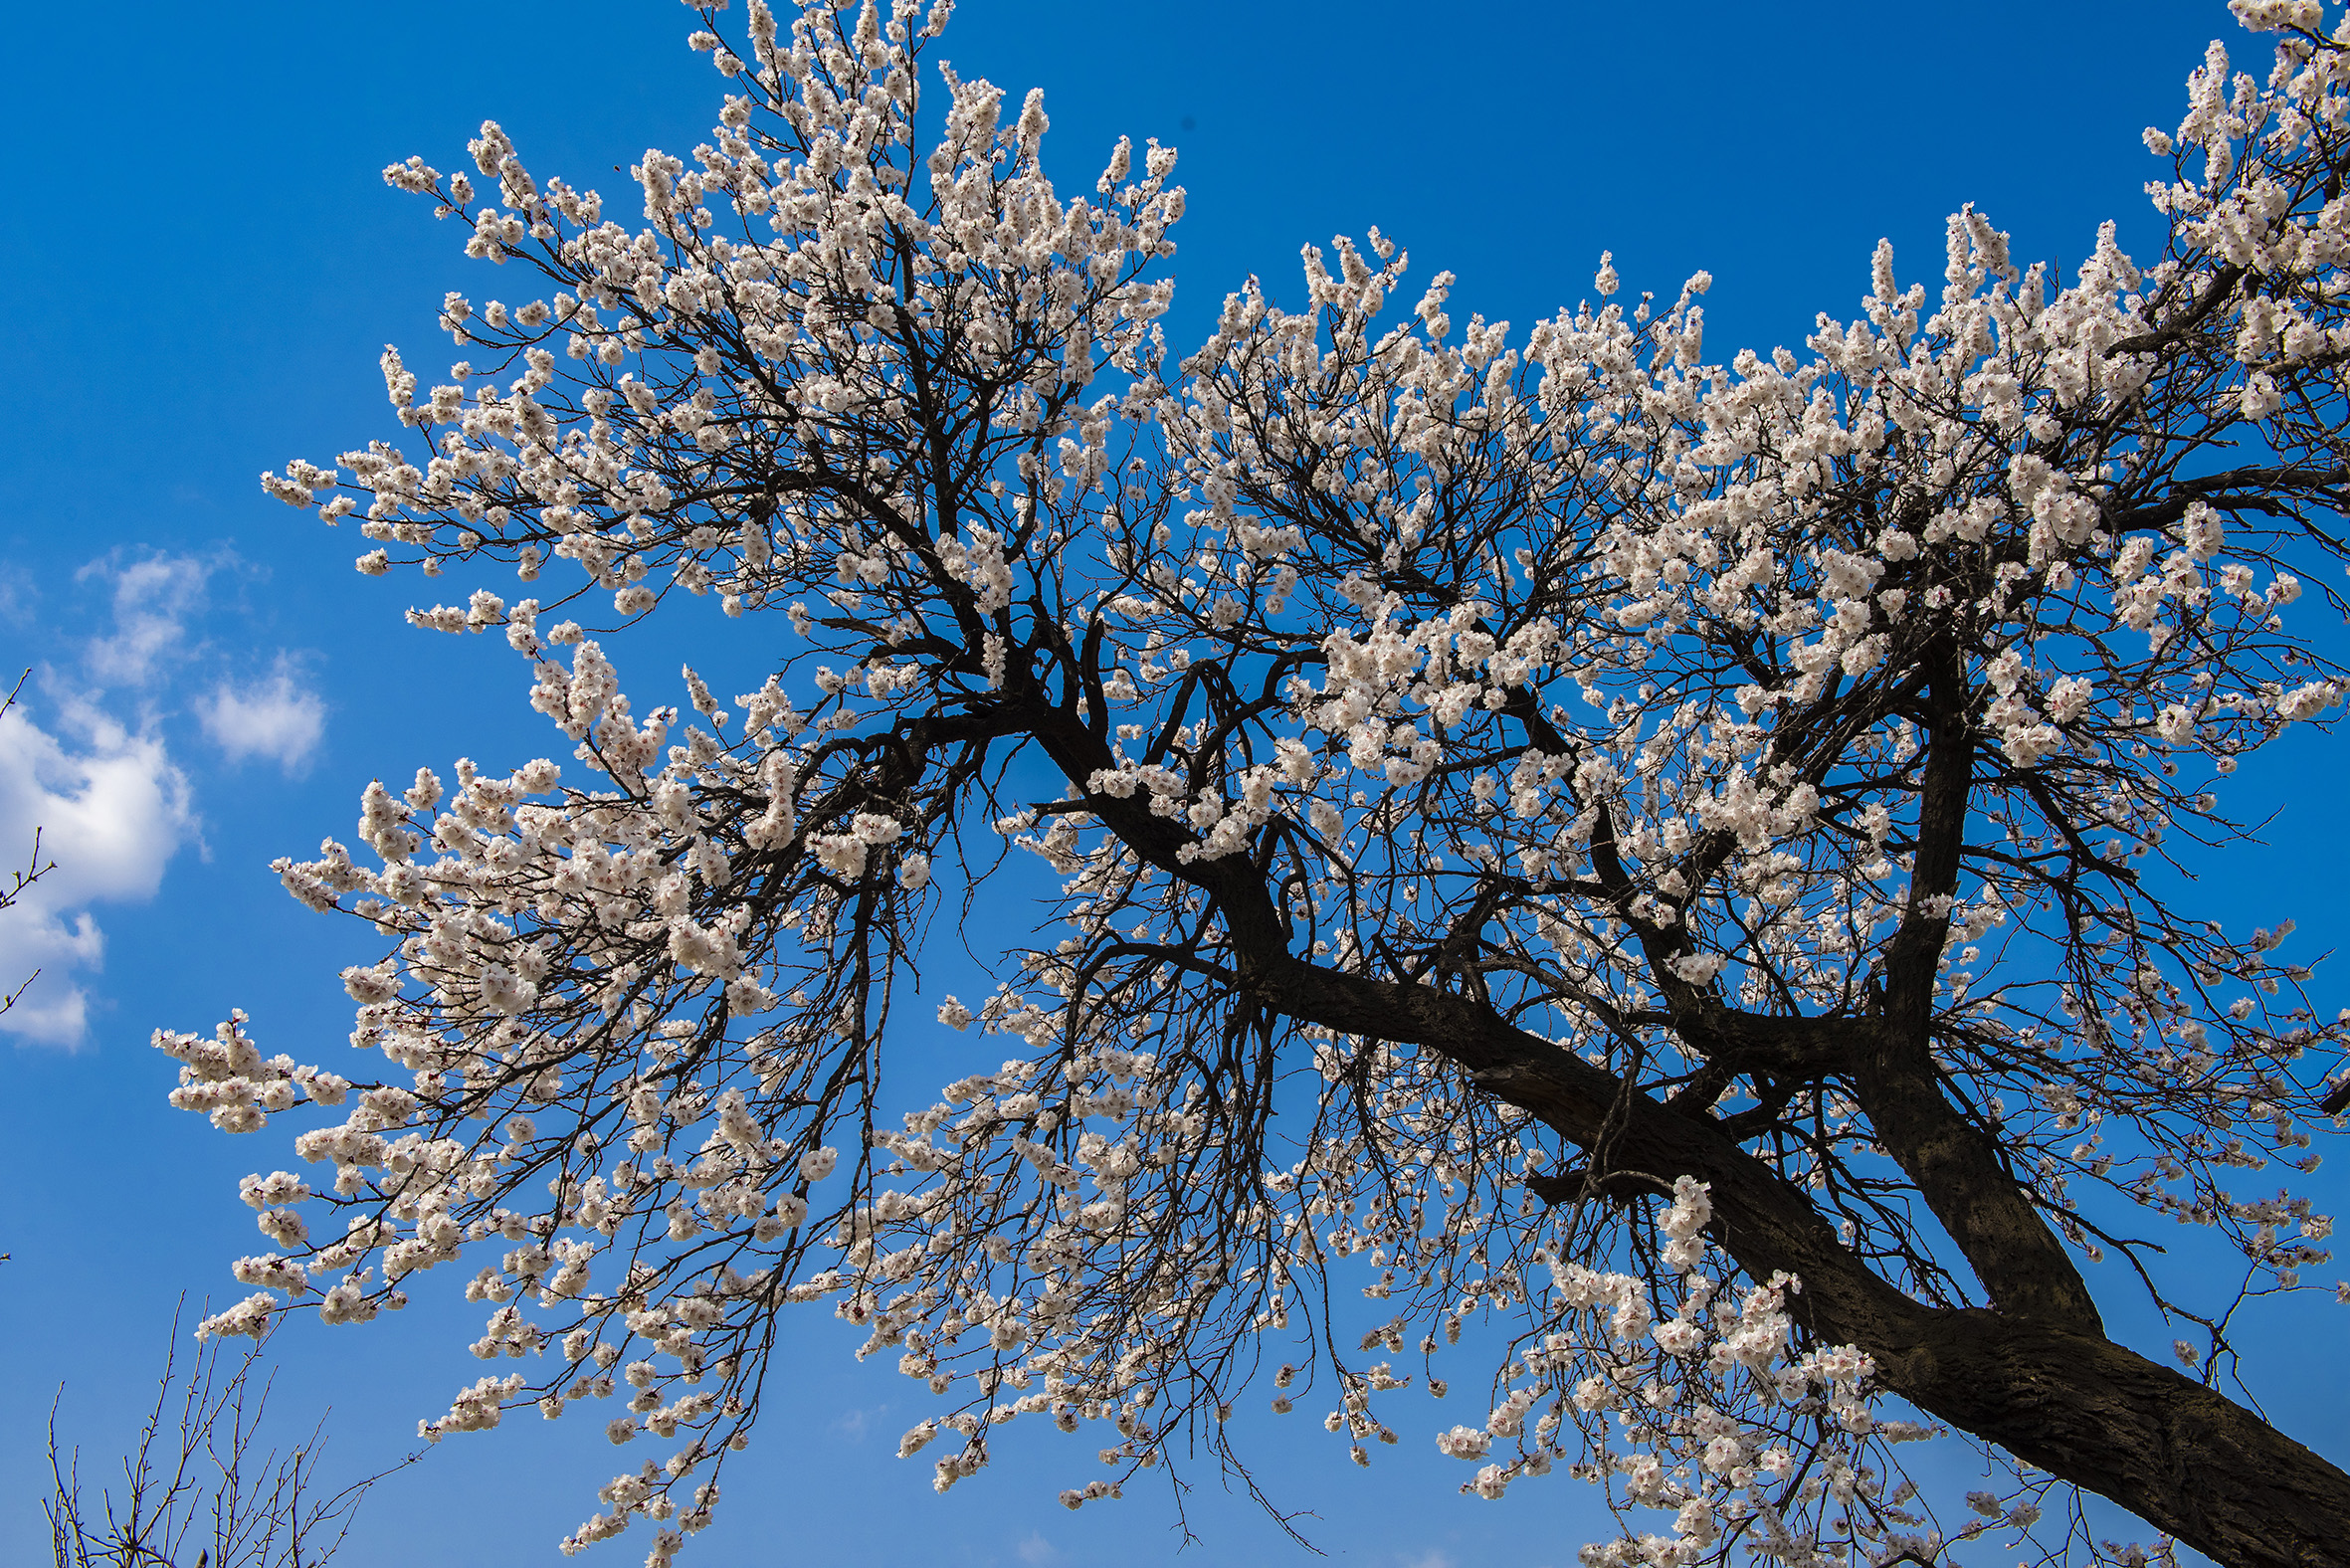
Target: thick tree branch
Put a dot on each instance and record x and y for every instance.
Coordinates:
(2055, 1393)
(1955, 1163)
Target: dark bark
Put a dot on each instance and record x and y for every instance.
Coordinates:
(2178, 1454)
(1954, 1160)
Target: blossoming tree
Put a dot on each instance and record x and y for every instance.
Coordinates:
(1660, 863)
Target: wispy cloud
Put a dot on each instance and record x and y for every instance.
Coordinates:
(1036, 1551)
(280, 718)
(17, 594)
(857, 1425)
(153, 598)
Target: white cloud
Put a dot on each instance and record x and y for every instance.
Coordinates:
(111, 809)
(98, 778)
(279, 719)
(152, 601)
(1036, 1551)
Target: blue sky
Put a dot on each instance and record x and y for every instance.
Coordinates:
(203, 265)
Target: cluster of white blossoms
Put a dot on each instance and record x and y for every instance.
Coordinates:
(1582, 678)
(1696, 1404)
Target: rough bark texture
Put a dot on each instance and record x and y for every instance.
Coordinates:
(2173, 1453)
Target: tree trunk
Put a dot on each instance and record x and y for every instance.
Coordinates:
(2173, 1453)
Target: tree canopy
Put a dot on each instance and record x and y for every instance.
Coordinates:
(1661, 865)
